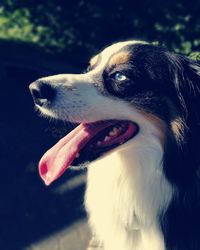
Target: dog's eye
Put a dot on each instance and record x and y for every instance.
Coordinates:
(119, 76)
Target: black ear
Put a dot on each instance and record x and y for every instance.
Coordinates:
(186, 79)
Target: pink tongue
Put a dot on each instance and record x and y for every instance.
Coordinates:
(58, 158)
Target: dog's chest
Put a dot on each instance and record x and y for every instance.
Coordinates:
(115, 214)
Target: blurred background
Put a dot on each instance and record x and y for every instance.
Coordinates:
(39, 38)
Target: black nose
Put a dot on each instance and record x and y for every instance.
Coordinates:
(42, 92)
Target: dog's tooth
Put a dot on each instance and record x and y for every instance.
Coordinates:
(107, 138)
(99, 143)
(77, 155)
(114, 132)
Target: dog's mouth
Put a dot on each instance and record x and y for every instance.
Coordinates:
(87, 142)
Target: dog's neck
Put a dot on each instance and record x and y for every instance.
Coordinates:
(124, 201)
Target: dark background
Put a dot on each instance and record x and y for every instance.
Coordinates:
(39, 38)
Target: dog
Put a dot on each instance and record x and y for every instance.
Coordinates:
(137, 107)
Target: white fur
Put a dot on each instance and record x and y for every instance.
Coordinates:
(126, 189)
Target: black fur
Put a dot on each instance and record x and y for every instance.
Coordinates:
(168, 85)
(181, 222)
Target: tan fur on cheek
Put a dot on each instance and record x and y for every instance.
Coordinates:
(177, 126)
(120, 58)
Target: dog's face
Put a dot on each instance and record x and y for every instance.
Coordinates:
(132, 94)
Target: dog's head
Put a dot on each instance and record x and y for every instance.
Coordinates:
(133, 94)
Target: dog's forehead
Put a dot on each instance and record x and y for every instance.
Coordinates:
(113, 51)
(114, 48)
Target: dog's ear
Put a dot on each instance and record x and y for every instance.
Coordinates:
(186, 78)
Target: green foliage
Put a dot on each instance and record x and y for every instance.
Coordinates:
(17, 25)
(80, 27)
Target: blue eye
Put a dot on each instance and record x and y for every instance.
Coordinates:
(119, 76)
